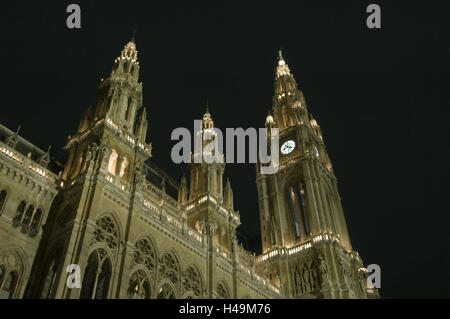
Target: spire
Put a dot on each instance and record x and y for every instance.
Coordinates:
(127, 61)
(207, 119)
(282, 67)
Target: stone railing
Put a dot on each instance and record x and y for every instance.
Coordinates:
(28, 163)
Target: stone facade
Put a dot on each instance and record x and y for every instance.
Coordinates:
(136, 233)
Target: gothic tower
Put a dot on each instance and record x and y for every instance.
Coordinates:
(97, 188)
(206, 184)
(304, 235)
(210, 206)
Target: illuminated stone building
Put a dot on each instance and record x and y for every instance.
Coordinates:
(137, 233)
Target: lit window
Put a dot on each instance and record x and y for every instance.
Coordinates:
(113, 162)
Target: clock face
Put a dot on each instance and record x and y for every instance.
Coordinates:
(287, 147)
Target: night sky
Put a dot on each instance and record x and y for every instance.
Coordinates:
(380, 97)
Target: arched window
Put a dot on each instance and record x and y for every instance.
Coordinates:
(192, 281)
(222, 291)
(112, 164)
(293, 205)
(97, 276)
(3, 194)
(165, 292)
(107, 232)
(169, 268)
(101, 291)
(145, 254)
(301, 191)
(299, 213)
(8, 285)
(125, 65)
(20, 210)
(34, 227)
(139, 286)
(124, 169)
(27, 217)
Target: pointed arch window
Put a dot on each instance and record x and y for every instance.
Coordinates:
(299, 214)
(145, 254)
(34, 226)
(192, 281)
(165, 292)
(301, 191)
(222, 291)
(139, 286)
(112, 164)
(27, 216)
(8, 285)
(97, 276)
(21, 209)
(294, 212)
(170, 268)
(3, 194)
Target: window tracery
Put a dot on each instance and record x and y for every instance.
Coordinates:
(192, 281)
(107, 232)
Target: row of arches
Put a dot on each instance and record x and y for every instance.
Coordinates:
(151, 274)
(27, 215)
(12, 270)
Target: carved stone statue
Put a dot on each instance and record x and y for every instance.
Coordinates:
(93, 150)
(211, 228)
(202, 225)
(323, 268)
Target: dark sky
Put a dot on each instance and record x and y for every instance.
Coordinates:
(380, 96)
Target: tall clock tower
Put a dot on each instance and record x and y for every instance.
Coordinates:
(305, 241)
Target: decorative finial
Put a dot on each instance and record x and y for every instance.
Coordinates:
(280, 54)
(207, 106)
(18, 130)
